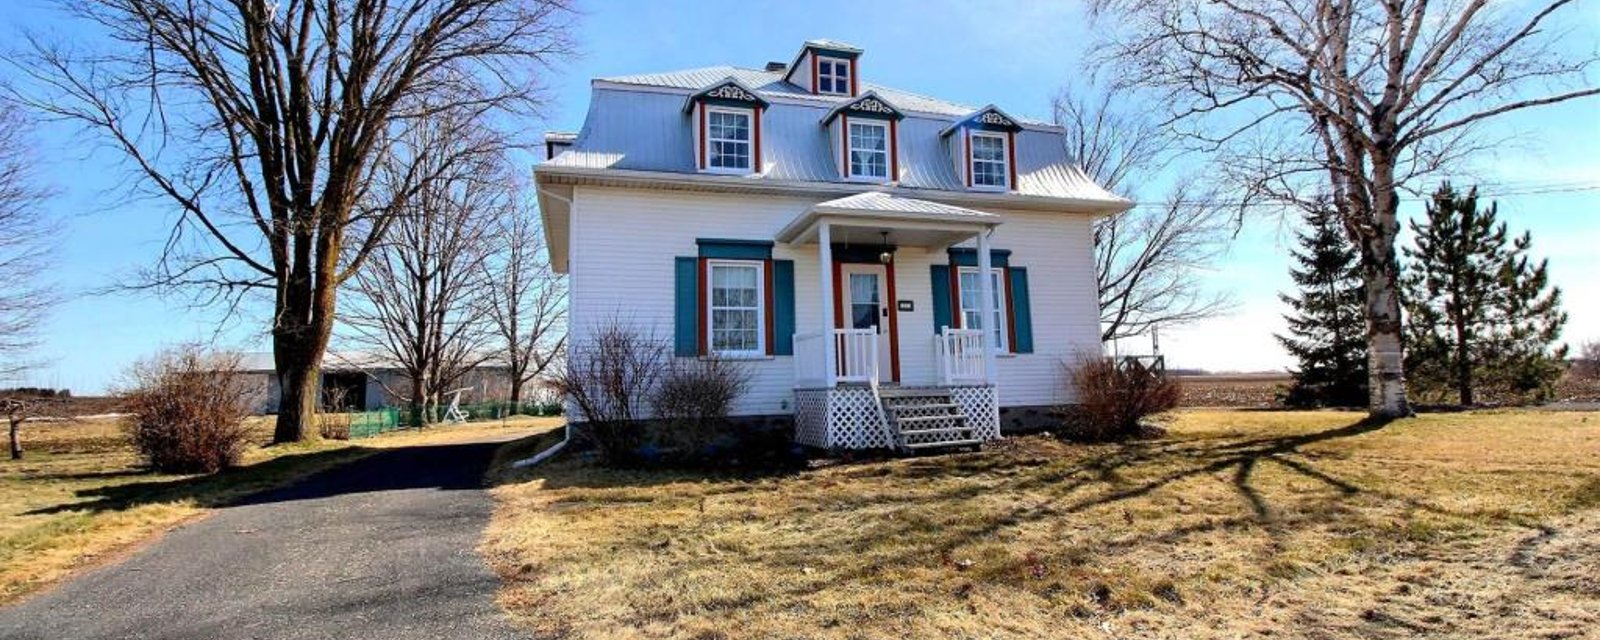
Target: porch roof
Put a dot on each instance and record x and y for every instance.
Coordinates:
(879, 209)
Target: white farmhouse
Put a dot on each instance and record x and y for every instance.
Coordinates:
(835, 233)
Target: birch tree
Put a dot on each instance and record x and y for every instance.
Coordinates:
(259, 122)
(1359, 99)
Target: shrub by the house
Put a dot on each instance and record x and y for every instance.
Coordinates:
(610, 378)
(693, 402)
(188, 408)
(1113, 400)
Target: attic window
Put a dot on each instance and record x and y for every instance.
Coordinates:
(989, 161)
(833, 76)
(728, 140)
(869, 150)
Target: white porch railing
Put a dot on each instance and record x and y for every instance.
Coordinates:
(858, 354)
(960, 355)
(855, 352)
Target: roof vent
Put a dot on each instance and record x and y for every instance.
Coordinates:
(777, 67)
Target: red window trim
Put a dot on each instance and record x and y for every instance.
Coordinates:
(701, 160)
(1011, 161)
(894, 151)
(755, 163)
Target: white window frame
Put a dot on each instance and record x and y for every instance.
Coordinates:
(761, 309)
(1003, 314)
(750, 140)
(834, 78)
(850, 152)
(1005, 160)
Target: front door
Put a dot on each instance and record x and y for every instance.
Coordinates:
(866, 305)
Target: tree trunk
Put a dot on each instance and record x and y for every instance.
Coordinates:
(16, 439)
(297, 400)
(516, 393)
(1380, 272)
(417, 403)
(1463, 360)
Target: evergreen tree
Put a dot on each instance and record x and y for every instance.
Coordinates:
(1327, 331)
(1479, 316)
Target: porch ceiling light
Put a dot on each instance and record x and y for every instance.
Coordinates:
(886, 255)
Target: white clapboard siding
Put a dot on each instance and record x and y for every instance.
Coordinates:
(624, 241)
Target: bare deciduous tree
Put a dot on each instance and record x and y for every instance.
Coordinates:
(526, 298)
(260, 122)
(420, 300)
(24, 246)
(1148, 259)
(1353, 98)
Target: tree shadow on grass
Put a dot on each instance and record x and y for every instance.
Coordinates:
(924, 526)
(302, 476)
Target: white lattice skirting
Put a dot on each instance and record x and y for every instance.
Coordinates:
(982, 406)
(850, 418)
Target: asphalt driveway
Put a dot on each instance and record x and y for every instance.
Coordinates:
(380, 548)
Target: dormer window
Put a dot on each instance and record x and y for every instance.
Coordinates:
(833, 76)
(869, 150)
(864, 133)
(824, 68)
(728, 140)
(983, 146)
(990, 161)
(726, 118)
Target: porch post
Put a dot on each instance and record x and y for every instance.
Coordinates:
(825, 285)
(986, 308)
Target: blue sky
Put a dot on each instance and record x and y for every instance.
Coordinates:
(1013, 55)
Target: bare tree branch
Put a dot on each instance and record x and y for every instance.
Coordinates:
(1357, 99)
(262, 123)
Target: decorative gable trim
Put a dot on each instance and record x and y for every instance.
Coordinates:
(989, 118)
(868, 105)
(728, 92)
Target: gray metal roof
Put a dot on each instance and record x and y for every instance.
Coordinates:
(877, 202)
(637, 123)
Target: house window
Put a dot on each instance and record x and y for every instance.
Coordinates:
(972, 292)
(833, 76)
(728, 140)
(735, 308)
(869, 150)
(989, 161)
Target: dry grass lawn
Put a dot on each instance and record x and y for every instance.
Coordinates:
(1238, 524)
(79, 496)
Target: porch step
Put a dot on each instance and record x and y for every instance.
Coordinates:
(944, 443)
(914, 423)
(926, 418)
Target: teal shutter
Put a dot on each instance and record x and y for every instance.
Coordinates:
(941, 296)
(1021, 310)
(686, 308)
(783, 307)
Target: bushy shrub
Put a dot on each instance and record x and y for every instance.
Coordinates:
(1114, 400)
(188, 408)
(610, 378)
(693, 401)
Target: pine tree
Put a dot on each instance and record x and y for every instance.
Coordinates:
(1479, 316)
(1327, 328)
(1524, 363)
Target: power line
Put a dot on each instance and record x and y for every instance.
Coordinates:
(1548, 189)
